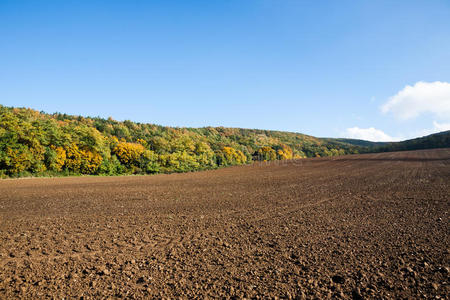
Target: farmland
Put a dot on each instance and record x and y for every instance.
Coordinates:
(355, 226)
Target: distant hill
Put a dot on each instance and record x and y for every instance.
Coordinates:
(437, 140)
(35, 143)
(356, 142)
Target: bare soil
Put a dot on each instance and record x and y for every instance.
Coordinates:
(353, 227)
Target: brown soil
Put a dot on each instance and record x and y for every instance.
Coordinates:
(363, 226)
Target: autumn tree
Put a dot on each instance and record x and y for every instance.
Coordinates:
(129, 154)
(266, 154)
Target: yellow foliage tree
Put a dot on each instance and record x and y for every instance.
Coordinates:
(204, 154)
(285, 152)
(19, 160)
(90, 161)
(83, 160)
(73, 158)
(128, 153)
(267, 153)
(234, 156)
(60, 158)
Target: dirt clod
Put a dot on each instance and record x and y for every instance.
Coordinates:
(338, 279)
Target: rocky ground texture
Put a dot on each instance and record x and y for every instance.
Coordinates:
(351, 227)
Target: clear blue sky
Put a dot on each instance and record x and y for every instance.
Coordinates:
(316, 67)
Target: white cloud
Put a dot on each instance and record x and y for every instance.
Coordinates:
(441, 126)
(423, 97)
(437, 127)
(368, 134)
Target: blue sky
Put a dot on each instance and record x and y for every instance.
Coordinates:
(324, 68)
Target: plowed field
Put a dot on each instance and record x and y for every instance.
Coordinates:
(361, 226)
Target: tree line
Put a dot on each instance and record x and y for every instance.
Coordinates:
(35, 143)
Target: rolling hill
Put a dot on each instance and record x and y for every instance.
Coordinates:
(35, 143)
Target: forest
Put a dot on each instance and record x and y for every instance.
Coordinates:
(34, 143)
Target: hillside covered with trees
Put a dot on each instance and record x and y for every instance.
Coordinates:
(437, 140)
(36, 143)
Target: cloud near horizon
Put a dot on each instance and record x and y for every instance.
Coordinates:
(376, 135)
(437, 127)
(368, 134)
(422, 97)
